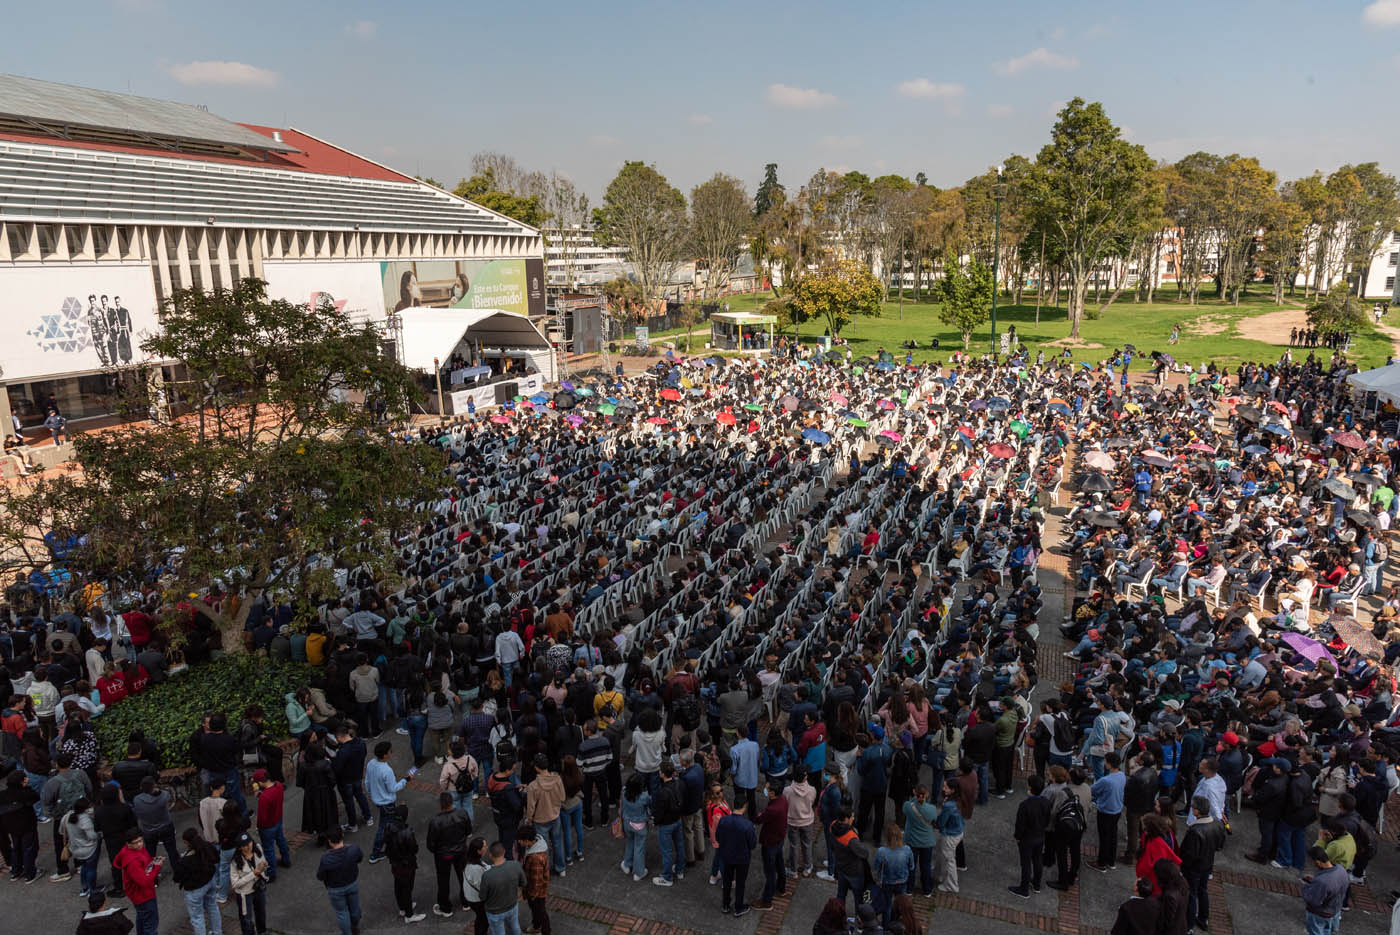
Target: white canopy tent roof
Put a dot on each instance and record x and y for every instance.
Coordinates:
(1383, 381)
(430, 333)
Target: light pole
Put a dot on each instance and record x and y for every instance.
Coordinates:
(996, 254)
(437, 372)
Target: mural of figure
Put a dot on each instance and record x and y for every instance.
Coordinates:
(409, 293)
(109, 315)
(122, 329)
(460, 287)
(97, 325)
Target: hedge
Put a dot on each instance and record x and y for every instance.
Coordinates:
(170, 712)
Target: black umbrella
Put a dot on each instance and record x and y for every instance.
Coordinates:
(1095, 483)
(1368, 480)
(809, 405)
(565, 400)
(884, 441)
(834, 355)
(1361, 518)
(1120, 443)
(1256, 389)
(1339, 488)
(1104, 520)
(1249, 413)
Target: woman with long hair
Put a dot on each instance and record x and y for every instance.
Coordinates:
(832, 920)
(841, 735)
(248, 878)
(634, 810)
(716, 807)
(195, 874)
(571, 811)
(1156, 846)
(1173, 893)
(319, 812)
(84, 844)
(473, 866)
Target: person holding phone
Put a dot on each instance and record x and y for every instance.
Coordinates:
(139, 875)
(248, 878)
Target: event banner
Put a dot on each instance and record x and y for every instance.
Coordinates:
(496, 284)
(71, 319)
(352, 287)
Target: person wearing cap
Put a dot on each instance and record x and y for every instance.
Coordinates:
(271, 797)
(248, 879)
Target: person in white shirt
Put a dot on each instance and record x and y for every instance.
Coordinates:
(1211, 787)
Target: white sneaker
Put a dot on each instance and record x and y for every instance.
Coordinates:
(439, 760)
(369, 822)
(416, 917)
(439, 912)
(401, 730)
(823, 875)
(661, 881)
(625, 868)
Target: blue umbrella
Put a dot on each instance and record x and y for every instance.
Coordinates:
(805, 364)
(1255, 450)
(539, 399)
(1277, 429)
(815, 436)
(884, 365)
(1062, 408)
(998, 402)
(566, 385)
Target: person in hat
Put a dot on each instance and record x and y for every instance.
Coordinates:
(248, 879)
(271, 796)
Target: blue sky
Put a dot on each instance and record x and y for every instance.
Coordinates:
(947, 88)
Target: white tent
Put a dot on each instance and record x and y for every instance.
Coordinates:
(434, 333)
(1383, 381)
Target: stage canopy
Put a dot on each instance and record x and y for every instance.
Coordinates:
(1383, 381)
(436, 332)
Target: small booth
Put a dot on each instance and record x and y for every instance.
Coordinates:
(482, 356)
(742, 331)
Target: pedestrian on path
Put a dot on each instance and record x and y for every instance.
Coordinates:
(194, 874)
(401, 847)
(384, 788)
(1032, 821)
(735, 839)
(536, 866)
(501, 889)
(271, 798)
(139, 873)
(448, 834)
(339, 870)
(248, 878)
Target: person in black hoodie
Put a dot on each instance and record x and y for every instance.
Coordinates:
(317, 781)
(1203, 838)
(114, 820)
(1298, 813)
(194, 873)
(349, 768)
(1139, 798)
(448, 833)
(1269, 797)
(219, 755)
(401, 847)
(1032, 821)
(101, 919)
(20, 825)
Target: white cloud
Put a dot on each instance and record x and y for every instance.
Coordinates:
(1036, 58)
(700, 119)
(236, 73)
(364, 29)
(950, 93)
(1382, 13)
(1057, 34)
(841, 142)
(1000, 110)
(1098, 31)
(790, 98)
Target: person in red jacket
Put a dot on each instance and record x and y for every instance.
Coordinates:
(772, 825)
(270, 798)
(111, 688)
(139, 873)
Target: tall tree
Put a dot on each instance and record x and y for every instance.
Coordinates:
(510, 176)
(567, 209)
(770, 191)
(840, 290)
(483, 189)
(892, 216)
(966, 296)
(1088, 189)
(279, 476)
(1285, 241)
(645, 215)
(1243, 196)
(719, 222)
(1369, 212)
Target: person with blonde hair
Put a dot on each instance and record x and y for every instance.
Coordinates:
(893, 866)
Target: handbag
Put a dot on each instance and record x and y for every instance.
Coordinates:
(616, 827)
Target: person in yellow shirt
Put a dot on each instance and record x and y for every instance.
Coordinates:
(316, 647)
(1338, 843)
(608, 703)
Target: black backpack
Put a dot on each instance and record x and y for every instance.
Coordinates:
(687, 711)
(1063, 732)
(1069, 817)
(464, 784)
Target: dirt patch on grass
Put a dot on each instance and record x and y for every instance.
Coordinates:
(1207, 325)
(1073, 342)
(1273, 328)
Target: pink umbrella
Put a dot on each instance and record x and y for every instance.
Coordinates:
(657, 420)
(886, 404)
(838, 399)
(1349, 440)
(1000, 450)
(1201, 447)
(500, 420)
(574, 419)
(892, 436)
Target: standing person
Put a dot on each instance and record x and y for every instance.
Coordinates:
(472, 871)
(1299, 811)
(535, 863)
(544, 800)
(230, 827)
(743, 762)
(364, 684)
(893, 867)
(194, 874)
(20, 826)
(501, 887)
(831, 802)
(442, 716)
(735, 839)
(114, 819)
(1324, 893)
(210, 808)
(921, 835)
(1173, 896)
(1069, 811)
(401, 847)
(667, 810)
(316, 778)
(851, 857)
(348, 765)
(448, 833)
(1032, 821)
(61, 792)
(802, 821)
(271, 797)
(1139, 914)
(507, 797)
(1007, 727)
(692, 780)
(571, 810)
(101, 919)
(1203, 838)
(459, 776)
(384, 788)
(873, 768)
(139, 875)
(1139, 798)
(951, 825)
(248, 879)
(339, 870)
(772, 824)
(594, 758)
(634, 809)
(1107, 796)
(84, 845)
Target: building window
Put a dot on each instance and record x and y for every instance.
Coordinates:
(1395, 237)
(19, 239)
(125, 235)
(74, 237)
(48, 239)
(100, 240)
(1395, 258)
(1390, 283)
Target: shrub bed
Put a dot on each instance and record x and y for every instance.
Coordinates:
(170, 712)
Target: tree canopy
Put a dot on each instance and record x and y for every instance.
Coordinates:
(645, 215)
(966, 294)
(836, 293)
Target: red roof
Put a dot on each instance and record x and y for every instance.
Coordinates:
(315, 156)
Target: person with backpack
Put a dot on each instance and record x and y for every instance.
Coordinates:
(507, 797)
(831, 802)
(20, 826)
(1204, 837)
(61, 793)
(459, 776)
(1299, 811)
(194, 873)
(448, 833)
(1069, 810)
(401, 847)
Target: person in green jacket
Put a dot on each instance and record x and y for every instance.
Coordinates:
(1004, 753)
(921, 834)
(299, 715)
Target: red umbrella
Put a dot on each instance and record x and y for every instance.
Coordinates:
(1278, 406)
(1001, 450)
(966, 430)
(671, 393)
(657, 420)
(1349, 440)
(1201, 447)
(725, 418)
(753, 426)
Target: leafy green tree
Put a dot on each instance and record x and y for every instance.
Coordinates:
(625, 299)
(835, 294)
(719, 223)
(770, 191)
(1337, 310)
(966, 294)
(1369, 211)
(645, 215)
(1243, 195)
(1087, 191)
(279, 474)
(482, 189)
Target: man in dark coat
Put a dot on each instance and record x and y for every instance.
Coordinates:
(1138, 916)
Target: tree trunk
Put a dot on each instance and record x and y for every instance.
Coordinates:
(1078, 290)
(1040, 279)
(967, 340)
(1055, 289)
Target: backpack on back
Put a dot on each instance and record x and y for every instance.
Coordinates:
(1069, 816)
(687, 711)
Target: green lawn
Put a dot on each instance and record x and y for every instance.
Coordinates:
(1210, 330)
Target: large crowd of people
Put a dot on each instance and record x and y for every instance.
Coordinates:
(789, 612)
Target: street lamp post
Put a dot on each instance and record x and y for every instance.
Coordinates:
(996, 255)
(437, 372)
